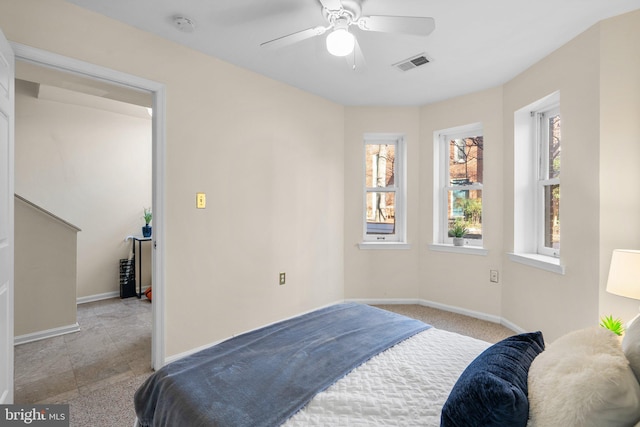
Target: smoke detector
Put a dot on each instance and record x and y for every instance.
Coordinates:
(184, 24)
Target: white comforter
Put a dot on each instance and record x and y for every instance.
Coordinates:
(406, 385)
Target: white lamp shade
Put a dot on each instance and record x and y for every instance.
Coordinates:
(340, 42)
(624, 273)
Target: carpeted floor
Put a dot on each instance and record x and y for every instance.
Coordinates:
(453, 322)
(112, 404)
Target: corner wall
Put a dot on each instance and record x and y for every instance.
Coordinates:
(375, 273)
(532, 298)
(458, 279)
(619, 151)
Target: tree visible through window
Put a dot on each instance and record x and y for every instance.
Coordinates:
(459, 174)
(549, 181)
(381, 212)
(466, 167)
(383, 188)
(536, 183)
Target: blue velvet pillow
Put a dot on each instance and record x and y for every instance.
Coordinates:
(492, 390)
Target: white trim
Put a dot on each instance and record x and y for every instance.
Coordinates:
(158, 90)
(97, 297)
(542, 262)
(399, 188)
(528, 198)
(107, 295)
(384, 245)
(49, 333)
(441, 179)
(469, 250)
(385, 301)
(465, 312)
(371, 301)
(510, 325)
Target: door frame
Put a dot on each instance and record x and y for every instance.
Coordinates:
(158, 92)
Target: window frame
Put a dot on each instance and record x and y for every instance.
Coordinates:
(528, 215)
(398, 188)
(442, 185)
(540, 117)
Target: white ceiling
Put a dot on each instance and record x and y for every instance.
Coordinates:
(476, 44)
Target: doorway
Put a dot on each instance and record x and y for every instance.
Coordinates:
(157, 92)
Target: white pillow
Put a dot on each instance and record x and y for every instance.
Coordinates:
(631, 345)
(583, 379)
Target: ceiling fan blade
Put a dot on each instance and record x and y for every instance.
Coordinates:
(331, 4)
(415, 25)
(356, 58)
(294, 37)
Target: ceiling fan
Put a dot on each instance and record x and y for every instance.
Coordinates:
(342, 14)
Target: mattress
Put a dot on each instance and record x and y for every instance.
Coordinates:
(406, 385)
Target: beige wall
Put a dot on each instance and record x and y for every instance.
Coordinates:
(269, 157)
(89, 166)
(532, 298)
(376, 274)
(619, 150)
(462, 280)
(45, 271)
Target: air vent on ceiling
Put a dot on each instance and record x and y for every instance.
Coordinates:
(413, 62)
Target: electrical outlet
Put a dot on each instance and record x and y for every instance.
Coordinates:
(283, 278)
(493, 276)
(201, 200)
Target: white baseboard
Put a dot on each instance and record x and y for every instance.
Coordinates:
(97, 297)
(508, 324)
(390, 301)
(432, 304)
(471, 313)
(466, 312)
(108, 295)
(50, 333)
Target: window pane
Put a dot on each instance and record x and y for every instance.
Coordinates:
(381, 213)
(380, 159)
(466, 204)
(465, 160)
(552, 216)
(554, 146)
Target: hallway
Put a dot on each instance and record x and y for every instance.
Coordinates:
(114, 344)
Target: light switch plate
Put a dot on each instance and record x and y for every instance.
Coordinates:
(201, 200)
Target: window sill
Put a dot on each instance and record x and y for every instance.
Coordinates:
(384, 245)
(542, 262)
(470, 250)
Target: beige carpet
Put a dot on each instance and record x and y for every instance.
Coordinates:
(464, 325)
(112, 406)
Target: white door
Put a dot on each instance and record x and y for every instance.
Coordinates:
(6, 220)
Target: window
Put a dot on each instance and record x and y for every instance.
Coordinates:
(537, 153)
(548, 197)
(459, 169)
(384, 194)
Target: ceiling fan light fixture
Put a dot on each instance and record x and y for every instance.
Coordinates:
(340, 42)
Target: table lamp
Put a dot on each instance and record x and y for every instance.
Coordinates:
(624, 274)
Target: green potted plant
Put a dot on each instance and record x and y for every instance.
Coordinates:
(457, 231)
(614, 325)
(148, 216)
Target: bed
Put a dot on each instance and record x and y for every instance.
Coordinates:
(355, 365)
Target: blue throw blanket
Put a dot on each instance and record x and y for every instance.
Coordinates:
(263, 377)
